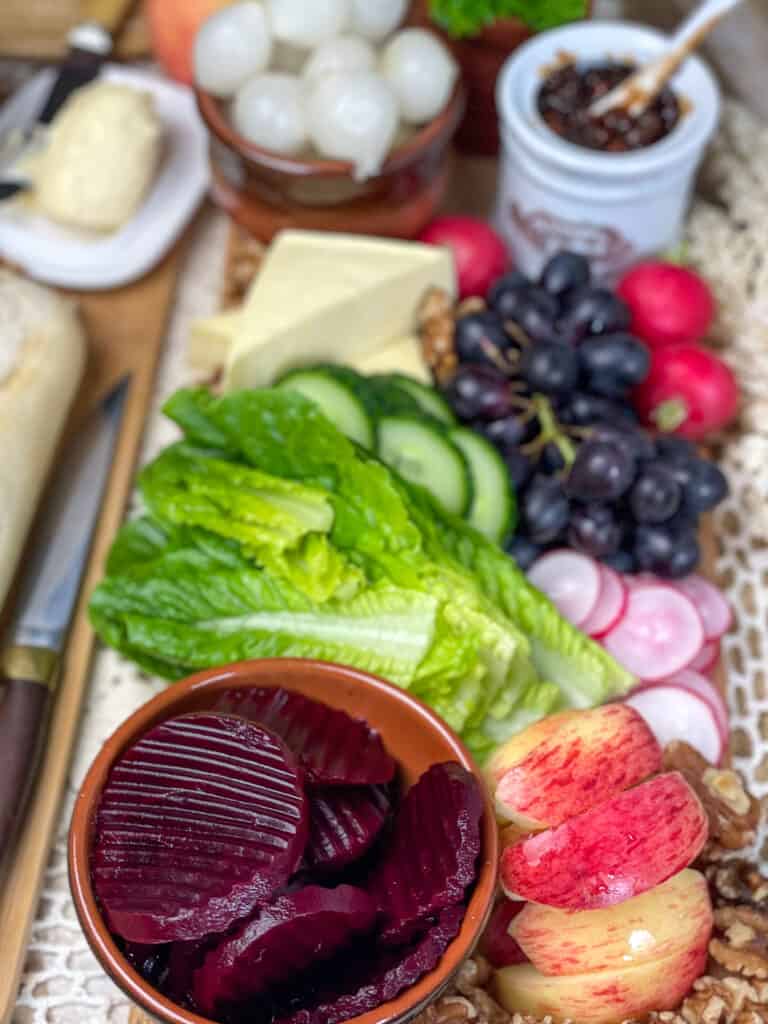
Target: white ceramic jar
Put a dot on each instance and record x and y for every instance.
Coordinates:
(614, 207)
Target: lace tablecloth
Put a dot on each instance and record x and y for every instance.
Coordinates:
(62, 983)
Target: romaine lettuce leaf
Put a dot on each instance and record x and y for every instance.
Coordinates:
(272, 534)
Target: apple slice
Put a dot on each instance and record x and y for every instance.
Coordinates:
(519, 746)
(669, 919)
(604, 997)
(617, 850)
(593, 755)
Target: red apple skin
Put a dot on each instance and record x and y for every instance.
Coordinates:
(617, 850)
(670, 919)
(605, 997)
(592, 756)
(520, 745)
(173, 25)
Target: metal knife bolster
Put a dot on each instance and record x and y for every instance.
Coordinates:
(34, 664)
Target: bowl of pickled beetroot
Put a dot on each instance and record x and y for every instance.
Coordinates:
(283, 842)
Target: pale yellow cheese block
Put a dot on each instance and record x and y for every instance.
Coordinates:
(321, 297)
(211, 339)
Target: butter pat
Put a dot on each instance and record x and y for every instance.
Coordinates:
(323, 297)
(102, 153)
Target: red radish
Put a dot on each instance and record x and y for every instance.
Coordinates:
(688, 391)
(670, 304)
(610, 605)
(707, 658)
(707, 691)
(674, 713)
(659, 634)
(497, 945)
(711, 604)
(570, 580)
(479, 252)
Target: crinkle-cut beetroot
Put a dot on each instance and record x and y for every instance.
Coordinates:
(371, 980)
(184, 958)
(200, 821)
(294, 932)
(432, 854)
(149, 961)
(334, 748)
(344, 822)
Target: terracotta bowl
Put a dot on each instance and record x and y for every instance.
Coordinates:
(265, 192)
(412, 733)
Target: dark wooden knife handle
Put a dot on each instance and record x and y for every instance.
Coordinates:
(23, 707)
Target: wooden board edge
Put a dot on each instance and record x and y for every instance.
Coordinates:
(27, 870)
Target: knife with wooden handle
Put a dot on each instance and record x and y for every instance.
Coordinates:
(48, 592)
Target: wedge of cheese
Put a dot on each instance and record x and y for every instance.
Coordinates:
(322, 297)
(211, 339)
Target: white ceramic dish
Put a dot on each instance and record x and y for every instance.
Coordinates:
(59, 256)
(614, 207)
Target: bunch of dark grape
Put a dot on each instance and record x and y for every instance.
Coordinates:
(545, 372)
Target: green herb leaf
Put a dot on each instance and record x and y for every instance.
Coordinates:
(469, 17)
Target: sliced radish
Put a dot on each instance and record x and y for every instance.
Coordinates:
(711, 604)
(659, 633)
(610, 605)
(707, 658)
(702, 687)
(570, 580)
(673, 713)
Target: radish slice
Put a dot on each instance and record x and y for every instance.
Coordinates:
(571, 581)
(659, 634)
(702, 687)
(610, 605)
(673, 713)
(711, 604)
(707, 658)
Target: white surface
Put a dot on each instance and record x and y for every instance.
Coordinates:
(60, 256)
(614, 207)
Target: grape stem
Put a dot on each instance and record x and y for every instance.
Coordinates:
(550, 433)
(669, 415)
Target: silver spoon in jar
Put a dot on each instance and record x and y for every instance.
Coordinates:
(638, 91)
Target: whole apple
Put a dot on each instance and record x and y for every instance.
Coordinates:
(173, 25)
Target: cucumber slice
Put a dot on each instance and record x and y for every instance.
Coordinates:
(420, 451)
(493, 509)
(336, 399)
(429, 399)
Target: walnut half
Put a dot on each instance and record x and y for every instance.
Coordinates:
(733, 814)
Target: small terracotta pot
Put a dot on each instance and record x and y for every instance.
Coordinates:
(266, 192)
(481, 58)
(412, 733)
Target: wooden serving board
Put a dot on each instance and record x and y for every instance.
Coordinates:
(37, 30)
(126, 329)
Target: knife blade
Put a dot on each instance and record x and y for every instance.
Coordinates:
(35, 639)
(90, 43)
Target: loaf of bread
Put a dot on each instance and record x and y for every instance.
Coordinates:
(102, 154)
(42, 356)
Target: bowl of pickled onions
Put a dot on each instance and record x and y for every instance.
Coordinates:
(326, 113)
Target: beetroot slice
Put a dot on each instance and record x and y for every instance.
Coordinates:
(148, 961)
(334, 748)
(344, 822)
(432, 855)
(368, 982)
(289, 935)
(199, 822)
